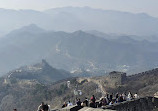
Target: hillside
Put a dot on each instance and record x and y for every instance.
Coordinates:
(30, 93)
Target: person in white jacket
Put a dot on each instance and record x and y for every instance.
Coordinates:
(69, 104)
(49, 108)
(136, 96)
(129, 96)
(40, 107)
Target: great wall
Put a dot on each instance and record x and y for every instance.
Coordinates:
(141, 104)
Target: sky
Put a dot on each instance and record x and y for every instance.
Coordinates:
(134, 6)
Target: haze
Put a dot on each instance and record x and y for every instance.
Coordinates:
(28, 36)
(135, 6)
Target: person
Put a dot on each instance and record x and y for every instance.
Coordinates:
(111, 97)
(106, 101)
(93, 99)
(92, 104)
(120, 98)
(117, 95)
(111, 103)
(14, 109)
(64, 105)
(129, 96)
(49, 109)
(69, 104)
(117, 100)
(40, 107)
(107, 97)
(124, 96)
(78, 102)
(45, 107)
(136, 96)
(100, 102)
(85, 102)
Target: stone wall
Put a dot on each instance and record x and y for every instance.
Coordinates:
(71, 108)
(94, 109)
(153, 71)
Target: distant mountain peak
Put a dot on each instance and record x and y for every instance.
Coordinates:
(44, 61)
(126, 39)
(32, 28)
(81, 33)
(42, 72)
(43, 64)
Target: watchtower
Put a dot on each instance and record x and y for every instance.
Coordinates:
(117, 78)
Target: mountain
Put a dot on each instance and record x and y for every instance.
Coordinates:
(117, 36)
(28, 85)
(41, 72)
(102, 35)
(14, 19)
(32, 28)
(71, 19)
(77, 51)
(107, 21)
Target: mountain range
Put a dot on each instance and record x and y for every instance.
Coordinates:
(77, 51)
(71, 19)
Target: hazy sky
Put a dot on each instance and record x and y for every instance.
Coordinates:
(136, 6)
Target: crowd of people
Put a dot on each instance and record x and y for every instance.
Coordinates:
(109, 99)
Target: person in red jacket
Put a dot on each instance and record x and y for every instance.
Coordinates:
(93, 99)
